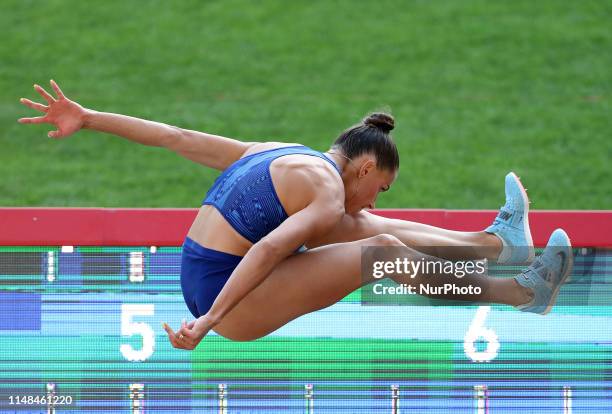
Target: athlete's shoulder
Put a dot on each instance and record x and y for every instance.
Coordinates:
(300, 179)
(268, 146)
(307, 169)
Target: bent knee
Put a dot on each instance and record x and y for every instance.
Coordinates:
(386, 240)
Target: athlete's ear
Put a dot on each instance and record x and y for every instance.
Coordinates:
(367, 167)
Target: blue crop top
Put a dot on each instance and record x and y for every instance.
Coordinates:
(245, 196)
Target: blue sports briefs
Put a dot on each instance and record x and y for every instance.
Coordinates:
(204, 272)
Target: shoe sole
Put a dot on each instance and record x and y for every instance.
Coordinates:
(565, 275)
(527, 230)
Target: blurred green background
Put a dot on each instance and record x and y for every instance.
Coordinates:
(478, 88)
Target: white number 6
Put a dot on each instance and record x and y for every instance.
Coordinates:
(477, 330)
(129, 328)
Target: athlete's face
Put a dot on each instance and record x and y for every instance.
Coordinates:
(366, 184)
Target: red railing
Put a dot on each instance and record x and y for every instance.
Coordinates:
(168, 227)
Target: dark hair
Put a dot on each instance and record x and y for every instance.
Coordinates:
(371, 136)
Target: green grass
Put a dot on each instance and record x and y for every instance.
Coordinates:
(478, 88)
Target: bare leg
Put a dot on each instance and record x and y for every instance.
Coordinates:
(436, 241)
(320, 277)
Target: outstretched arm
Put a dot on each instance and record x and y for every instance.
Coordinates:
(210, 150)
(69, 117)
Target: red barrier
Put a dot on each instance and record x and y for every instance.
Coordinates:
(168, 227)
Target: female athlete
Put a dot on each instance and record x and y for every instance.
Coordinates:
(280, 233)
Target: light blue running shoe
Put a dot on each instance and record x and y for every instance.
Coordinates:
(512, 224)
(548, 273)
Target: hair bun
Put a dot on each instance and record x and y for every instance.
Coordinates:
(380, 120)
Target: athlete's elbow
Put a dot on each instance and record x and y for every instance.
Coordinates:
(270, 250)
(333, 215)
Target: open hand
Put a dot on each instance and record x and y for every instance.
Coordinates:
(190, 334)
(67, 116)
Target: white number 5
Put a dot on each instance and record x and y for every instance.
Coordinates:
(129, 328)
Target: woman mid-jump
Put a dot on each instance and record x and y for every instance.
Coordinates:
(280, 233)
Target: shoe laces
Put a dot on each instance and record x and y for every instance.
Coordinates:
(504, 214)
(539, 268)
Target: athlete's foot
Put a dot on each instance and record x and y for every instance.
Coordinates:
(522, 294)
(547, 274)
(511, 225)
